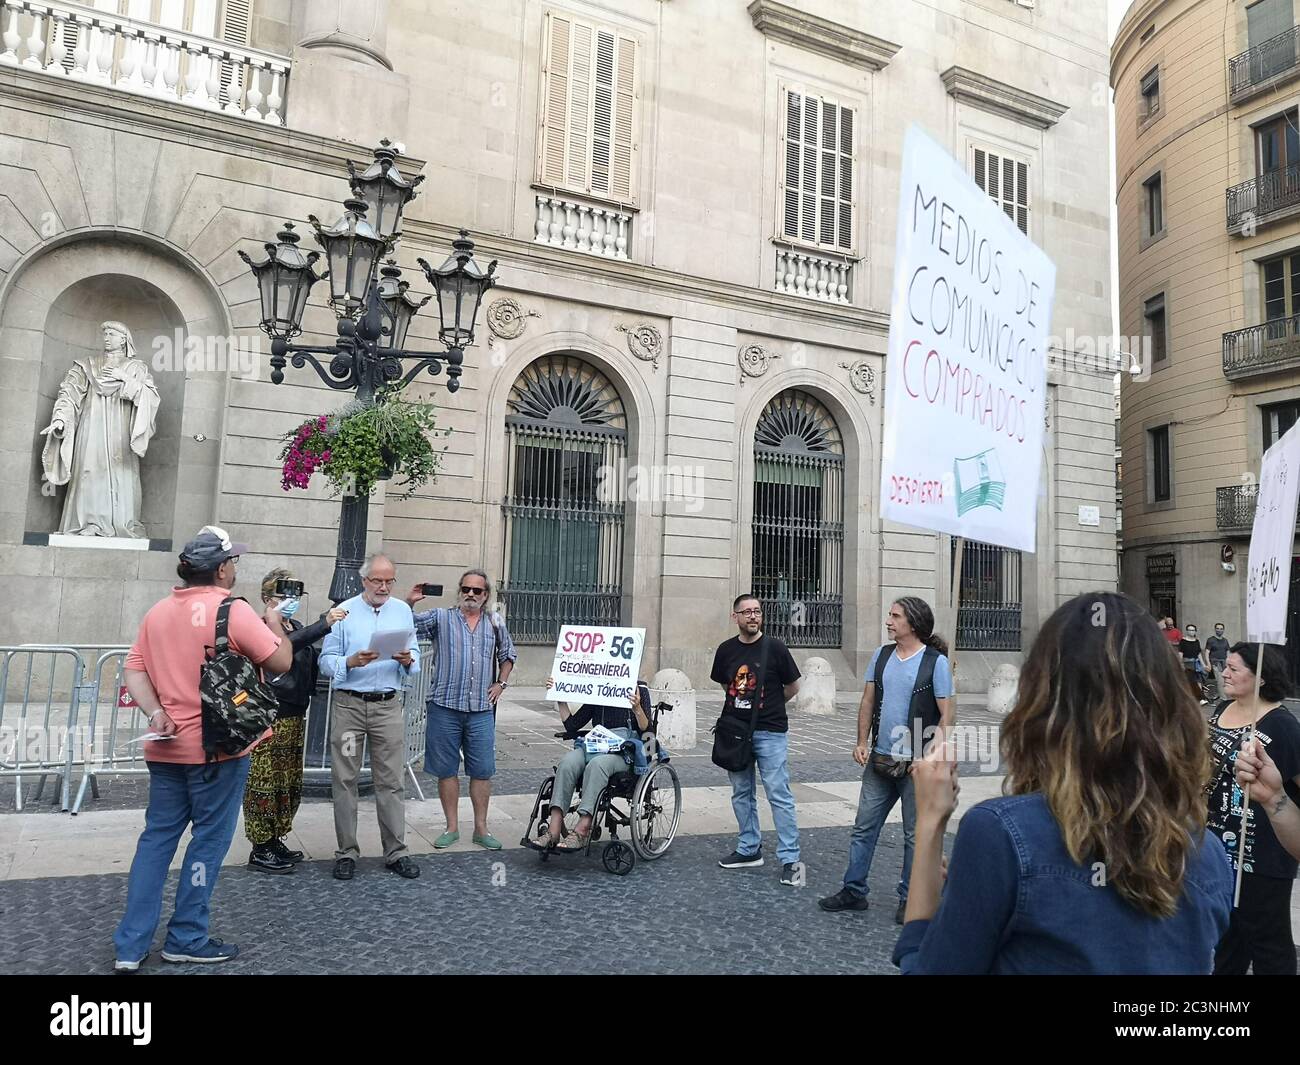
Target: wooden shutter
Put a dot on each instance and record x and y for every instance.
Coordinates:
(555, 102)
(624, 148)
(588, 138)
(1006, 181)
(235, 18)
(602, 114)
(790, 183)
(816, 200)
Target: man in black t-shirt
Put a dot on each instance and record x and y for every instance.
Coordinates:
(758, 675)
(1216, 648)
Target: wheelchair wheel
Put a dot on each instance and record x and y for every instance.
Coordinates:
(618, 858)
(656, 811)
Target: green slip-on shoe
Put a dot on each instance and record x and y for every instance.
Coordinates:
(446, 840)
(487, 841)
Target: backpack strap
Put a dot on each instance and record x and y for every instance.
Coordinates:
(222, 642)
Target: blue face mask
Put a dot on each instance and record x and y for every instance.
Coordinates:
(289, 607)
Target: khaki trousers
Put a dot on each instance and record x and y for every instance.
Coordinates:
(352, 723)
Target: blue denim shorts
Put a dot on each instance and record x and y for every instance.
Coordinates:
(449, 732)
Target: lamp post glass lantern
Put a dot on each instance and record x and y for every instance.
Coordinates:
(284, 280)
(352, 249)
(384, 190)
(399, 306)
(459, 284)
(374, 318)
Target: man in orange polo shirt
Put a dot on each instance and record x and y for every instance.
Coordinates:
(162, 675)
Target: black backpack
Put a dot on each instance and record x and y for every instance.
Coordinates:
(238, 705)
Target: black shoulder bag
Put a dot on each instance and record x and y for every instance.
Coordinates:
(733, 743)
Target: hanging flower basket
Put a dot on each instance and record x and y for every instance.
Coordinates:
(361, 444)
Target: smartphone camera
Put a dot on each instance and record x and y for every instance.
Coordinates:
(431, 589)
(287, 589)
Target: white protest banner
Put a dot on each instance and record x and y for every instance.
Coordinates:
(966, 374)
(1268, 584)
(596, 665)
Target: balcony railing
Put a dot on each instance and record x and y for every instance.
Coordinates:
(816, 277)
(1264, 198)
(1234, 508)
(1262, 349)
(69, 41)
(1265, 65)
(562, 222)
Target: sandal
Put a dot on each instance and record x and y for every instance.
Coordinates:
(545, 841)
(574, 841)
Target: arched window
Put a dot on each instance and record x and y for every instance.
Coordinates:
(798, 563)
(566, 437)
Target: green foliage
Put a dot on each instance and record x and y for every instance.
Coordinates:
(360, 444)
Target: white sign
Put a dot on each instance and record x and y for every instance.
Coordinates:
(596, 665)
(1268, 582)
(1090, 515)
(966, 375)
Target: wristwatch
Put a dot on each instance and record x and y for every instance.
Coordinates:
(503, 684)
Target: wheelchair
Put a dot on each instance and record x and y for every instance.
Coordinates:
(647, 804)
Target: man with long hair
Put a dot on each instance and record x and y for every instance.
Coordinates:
(908, 695)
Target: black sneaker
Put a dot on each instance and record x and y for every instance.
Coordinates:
(284, 853)
(736, 860)
(844, 899)
(792, 874)
(265, 859)
(902, 911)
(405, 868)
(344, 869)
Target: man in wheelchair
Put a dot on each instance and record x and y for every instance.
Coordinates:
(639, 774)
(593, 770)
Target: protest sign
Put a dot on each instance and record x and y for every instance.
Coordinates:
(596, 665)
(1268, 582)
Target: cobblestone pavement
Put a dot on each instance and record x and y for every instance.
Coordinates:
(503, 913)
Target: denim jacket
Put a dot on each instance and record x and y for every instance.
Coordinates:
(1015, 902)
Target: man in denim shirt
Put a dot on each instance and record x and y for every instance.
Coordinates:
(472, 646)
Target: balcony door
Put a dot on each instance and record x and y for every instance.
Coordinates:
(1281, 299)
(1277, 162)
(1266, 21)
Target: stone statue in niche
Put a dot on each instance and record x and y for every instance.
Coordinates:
(101, 427)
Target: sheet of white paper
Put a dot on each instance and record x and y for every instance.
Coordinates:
(387, 642)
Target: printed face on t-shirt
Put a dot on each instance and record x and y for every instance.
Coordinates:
(744, 683)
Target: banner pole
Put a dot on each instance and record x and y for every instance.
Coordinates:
(1245, 798)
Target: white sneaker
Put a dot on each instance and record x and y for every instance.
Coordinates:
(124, 966)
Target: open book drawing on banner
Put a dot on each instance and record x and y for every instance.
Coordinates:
(979, 481)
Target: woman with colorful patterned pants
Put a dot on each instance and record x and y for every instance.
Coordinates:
(274, 787)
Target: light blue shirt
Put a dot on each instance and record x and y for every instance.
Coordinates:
(895, 736)
(468, 661)
(353, 634)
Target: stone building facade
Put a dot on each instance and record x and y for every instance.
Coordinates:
(1208, 152)
(676, 390)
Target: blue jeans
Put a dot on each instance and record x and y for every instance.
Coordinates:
(876, 799)
(770, 751)
(447, 732)
(179, 796)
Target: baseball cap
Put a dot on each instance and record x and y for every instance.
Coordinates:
(211, 547)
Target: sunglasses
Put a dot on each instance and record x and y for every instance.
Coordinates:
(465, 589)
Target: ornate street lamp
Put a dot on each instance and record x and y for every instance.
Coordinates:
(373, 317)
(284, 280)
(352, 249)
(399, 306)
(459, 284)
(385, 191)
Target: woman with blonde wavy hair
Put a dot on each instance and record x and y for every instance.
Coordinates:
(1096, 858)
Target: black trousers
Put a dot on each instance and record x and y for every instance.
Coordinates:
(1260, 930)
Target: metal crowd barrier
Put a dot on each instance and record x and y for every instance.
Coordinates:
(42, 688)
(58, 715)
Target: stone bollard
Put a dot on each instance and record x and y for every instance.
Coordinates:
(816, 688)
(1003, 683)
(676, 726)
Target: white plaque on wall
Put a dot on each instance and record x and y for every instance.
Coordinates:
(1090, 515)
